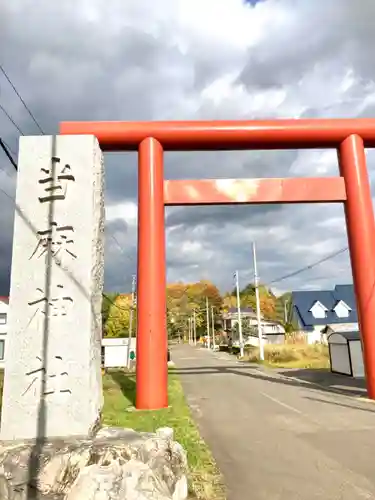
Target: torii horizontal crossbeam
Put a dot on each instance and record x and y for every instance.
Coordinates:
(254, 191)
(226, 135)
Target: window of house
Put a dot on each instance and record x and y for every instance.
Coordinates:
(2, 345)
(318, 310)
(3, 319)
(342, 310)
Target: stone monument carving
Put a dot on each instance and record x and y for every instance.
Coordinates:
(52, 385)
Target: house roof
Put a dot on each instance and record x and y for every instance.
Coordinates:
(343, 327)
(304, 300)
(347, 335)
(243, 310)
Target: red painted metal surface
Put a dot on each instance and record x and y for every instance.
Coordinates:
(361, 236)
(246, 191)
(348, 136)
(226, 135)
(152, 374)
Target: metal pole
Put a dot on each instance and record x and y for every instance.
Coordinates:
(213, 327)
(256, 283)
(285, 313)
(239, 314)
(208, 325)
(134, 281)
(190, 330)
(195, 328)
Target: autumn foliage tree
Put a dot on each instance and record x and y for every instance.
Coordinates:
(118, 315)
(183, 299)
(248, 299)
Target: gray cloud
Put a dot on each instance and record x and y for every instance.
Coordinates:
(137, 61)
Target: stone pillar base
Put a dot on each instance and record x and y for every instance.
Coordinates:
(119, 463)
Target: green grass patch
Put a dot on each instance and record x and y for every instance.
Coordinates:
(205, 480)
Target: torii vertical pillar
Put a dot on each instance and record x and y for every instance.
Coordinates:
(152, 370)
(361, 236)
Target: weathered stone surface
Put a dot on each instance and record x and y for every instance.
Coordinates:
(52, 381)
(116, 464)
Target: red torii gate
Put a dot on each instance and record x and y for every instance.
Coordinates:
(151, 139)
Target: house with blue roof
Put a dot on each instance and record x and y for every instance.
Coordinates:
(315, 310)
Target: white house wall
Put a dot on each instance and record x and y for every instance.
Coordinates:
(4, 307)
(355, 347)
(340, 362)
(268, 327)
(3, 310)
(115, 356)
(272, 328)
(316, 335)
(116, 351)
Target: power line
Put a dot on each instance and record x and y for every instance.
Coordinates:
(310, 266)
(11, 119)
(105, 296)
(20, 98)
(7, 152)
(9, 148)
(7, 195)
(120, 248)
(118, 244)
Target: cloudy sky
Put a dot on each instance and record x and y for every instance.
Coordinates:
(190, 59)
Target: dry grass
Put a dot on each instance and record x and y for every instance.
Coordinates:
(293, 355)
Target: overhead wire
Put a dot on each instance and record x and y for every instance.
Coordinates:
(114, 303)
(309, 266)
(21, 99)
(7, 195)
(113, 237)
(9, 148)
(128, 257)
(277, 280)
(7, 152)
(11, 119)
(4, 146)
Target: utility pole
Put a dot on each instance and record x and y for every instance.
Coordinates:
(213, 327)
(208, 324)
(134, 281)
(239, 313)
(256, 283)
(194, 328)
(285, 312)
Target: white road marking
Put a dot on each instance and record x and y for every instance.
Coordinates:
(281, 403)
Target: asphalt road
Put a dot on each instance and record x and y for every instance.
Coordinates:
(275, 438)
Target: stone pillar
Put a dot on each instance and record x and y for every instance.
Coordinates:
(52, 383)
